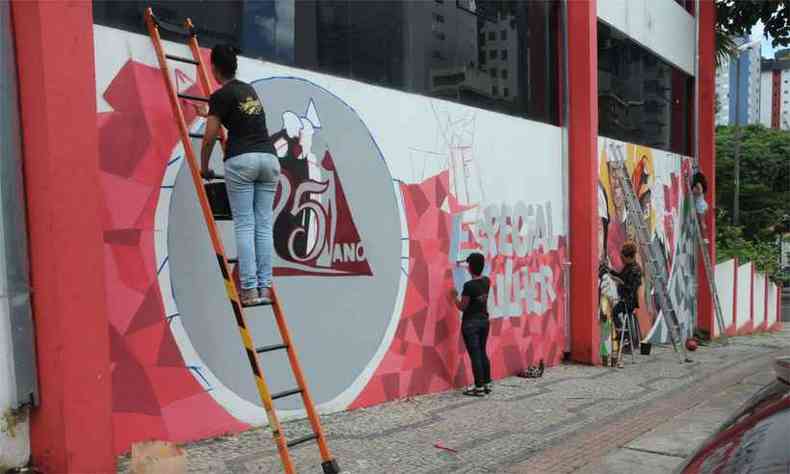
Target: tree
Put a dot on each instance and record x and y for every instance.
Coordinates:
(735, 18)
(765, 193)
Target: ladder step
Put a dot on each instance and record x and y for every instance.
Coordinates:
(257, 304)
(173, 28)
(233, 260)
(193, 97)
(181, 59)
(275, 347)
(223, 217)
(196, 135)
(302, 440)
(286, 393)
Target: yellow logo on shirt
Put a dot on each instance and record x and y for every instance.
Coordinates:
(251, 106)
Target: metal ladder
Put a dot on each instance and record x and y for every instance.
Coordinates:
(329, 464)
(651, 255)
(709, 273)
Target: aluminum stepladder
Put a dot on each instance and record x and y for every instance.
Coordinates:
(329, 464)
(651, 255)
(709, 273)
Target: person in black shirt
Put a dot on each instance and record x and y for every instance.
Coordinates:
(251, 172)
(474, 323)
(628, 279)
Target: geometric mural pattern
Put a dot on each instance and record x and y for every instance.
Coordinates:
(427, 353)
(155, 396)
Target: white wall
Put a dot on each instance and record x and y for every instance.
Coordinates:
(725, 286)
(744, 292)
(773, 293)
(766, 94)
(662, 26)
(759, 299)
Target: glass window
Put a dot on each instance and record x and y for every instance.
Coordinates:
(493, 72)
(403, 44)
(503, 74)
(506, 92)
(641, 98)
(494, 90)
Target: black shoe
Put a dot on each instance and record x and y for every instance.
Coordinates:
(487, 388)
(474, 392)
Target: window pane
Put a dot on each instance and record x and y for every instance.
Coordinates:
(446, 49)
(641, 98)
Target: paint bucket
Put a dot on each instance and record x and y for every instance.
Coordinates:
(644, 348)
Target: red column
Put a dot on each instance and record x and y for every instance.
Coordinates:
(72, 427)
(707, 150)
(583, 149)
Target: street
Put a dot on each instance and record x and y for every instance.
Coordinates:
(646, 417)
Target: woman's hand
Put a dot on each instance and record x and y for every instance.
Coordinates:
(453, 294)
(201, 109)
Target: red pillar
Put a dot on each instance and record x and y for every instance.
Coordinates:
(707, 151)
(583, 149)
(71, 430)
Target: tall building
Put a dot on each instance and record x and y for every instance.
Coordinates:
(739, 79)
(775, 91)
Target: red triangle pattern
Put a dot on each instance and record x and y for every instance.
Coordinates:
(427, 353)
(154, 395)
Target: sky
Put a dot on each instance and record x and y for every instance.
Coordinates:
(757, 33)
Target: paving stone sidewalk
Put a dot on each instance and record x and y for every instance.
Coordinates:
(565, 420)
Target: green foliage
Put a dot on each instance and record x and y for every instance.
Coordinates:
(737, 17)
(764, 197)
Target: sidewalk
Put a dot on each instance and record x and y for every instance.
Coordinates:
(571, 418)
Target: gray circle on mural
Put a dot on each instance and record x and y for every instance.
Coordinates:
(336, 322)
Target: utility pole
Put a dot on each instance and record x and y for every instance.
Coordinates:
(737, 151)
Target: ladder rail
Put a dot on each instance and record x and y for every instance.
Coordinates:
(709, 273)
(315, 423)
(650, 256)
(329, 464)
(307, 400)
(230, 286)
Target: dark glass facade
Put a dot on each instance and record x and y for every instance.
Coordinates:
(642, 99)
(501, 55)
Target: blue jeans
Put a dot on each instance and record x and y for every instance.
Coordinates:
(251, 180)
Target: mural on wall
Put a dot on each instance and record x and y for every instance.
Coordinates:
(373, 211)
(657, 179)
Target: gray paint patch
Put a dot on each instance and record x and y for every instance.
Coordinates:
(337, 322)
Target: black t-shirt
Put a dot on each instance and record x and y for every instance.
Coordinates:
(238, 108)
(477, 291)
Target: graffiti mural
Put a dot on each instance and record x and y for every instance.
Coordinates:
(382, 193)
(657, 179)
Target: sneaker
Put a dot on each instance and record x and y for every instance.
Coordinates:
(487, 388)
(250, 297)
(265, 295)
(474, 391)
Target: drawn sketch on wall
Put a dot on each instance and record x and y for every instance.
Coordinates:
(656, 178)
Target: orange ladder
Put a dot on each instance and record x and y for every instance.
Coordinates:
(329, 464)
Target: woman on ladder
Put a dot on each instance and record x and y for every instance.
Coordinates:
(251, 172)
